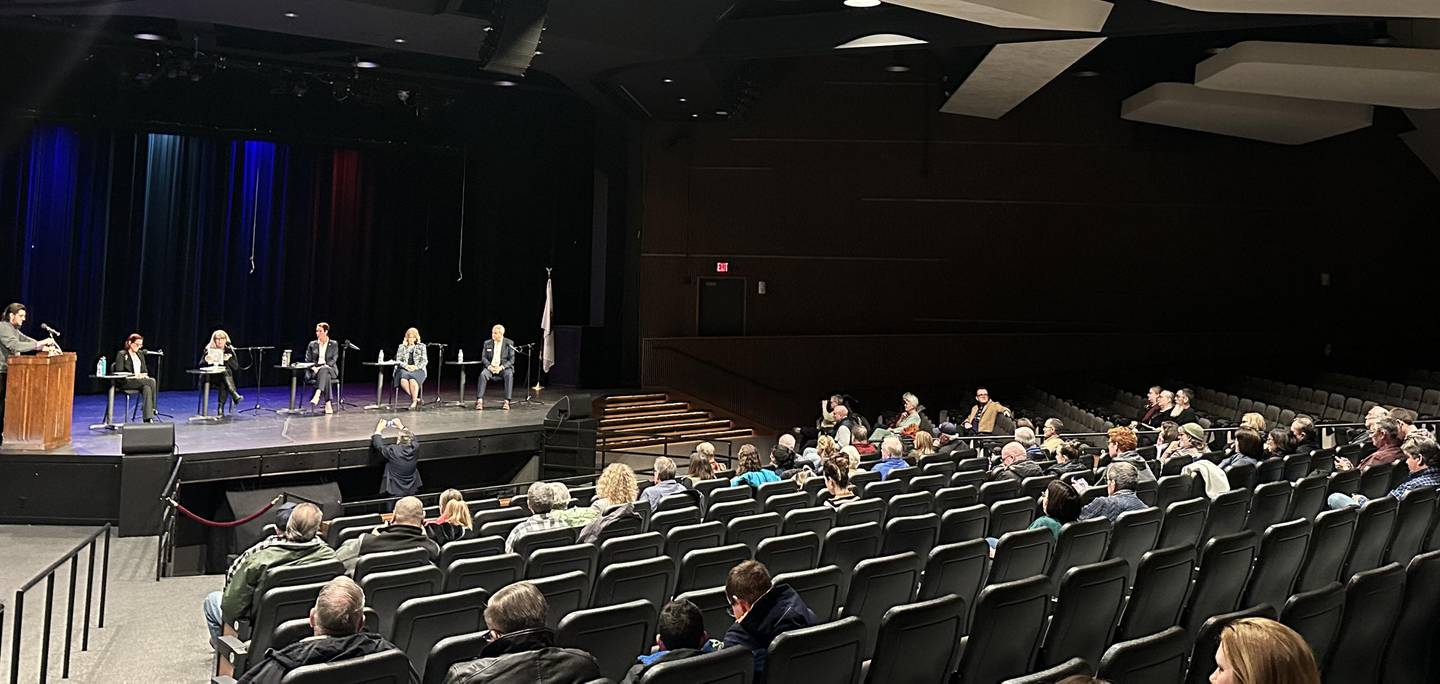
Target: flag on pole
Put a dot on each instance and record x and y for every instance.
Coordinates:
(547, 353)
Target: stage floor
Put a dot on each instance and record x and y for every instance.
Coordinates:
(267, 431)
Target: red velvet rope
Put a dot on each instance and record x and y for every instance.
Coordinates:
(233, 523)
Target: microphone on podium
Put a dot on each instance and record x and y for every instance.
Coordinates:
(156, 352)
(53, 332)
(350, 345)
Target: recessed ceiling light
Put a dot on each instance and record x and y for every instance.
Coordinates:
(880, 40)
(897, 68)
(291, 15)
(1087, 73)
(505, 84)
(400, 40)
(366, 64)
(694, 116)
(539, 52)
(668, 80)
(149, 36)
(862, 3)
(682, 99)
(721, 112)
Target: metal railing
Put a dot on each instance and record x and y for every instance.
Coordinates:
(48, 575)
(165, 543)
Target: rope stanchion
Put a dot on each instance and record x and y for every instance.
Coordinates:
(232, 523)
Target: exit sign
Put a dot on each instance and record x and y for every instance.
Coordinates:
(722, 267)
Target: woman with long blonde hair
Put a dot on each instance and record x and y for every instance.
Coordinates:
(1263, 651)
(411, 363)
(615, 486)
(219, 352)
(454, 523)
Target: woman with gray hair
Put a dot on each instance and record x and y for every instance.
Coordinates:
(906, 423)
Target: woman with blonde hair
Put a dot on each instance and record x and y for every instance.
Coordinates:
(1254, 421)
(453, 524)
(924, 446)
(219, 352)
(411, 364)
(615, 486)
(1263, 651)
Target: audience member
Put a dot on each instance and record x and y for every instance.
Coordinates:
(837, 482)
(402, 459)
(825, 448)
(665, 483)
(762, 611)
(1015, 464)
(405, 531)
(1303, 436)
(1167, 437)
(1051, 433)
(1167, 402)
(1121, 477)
(785, 464)
(299, 545)
(1181, 413)
(336, 619)
(949, 439)
(983, 414)
(1254, 421)
(748, 469)
(844, 427)
(702, 465)
(1122, 445)
(1071, 459)
(520, 648)
(1026, 437)
(1375, 413)
(852, 458)
(616, 486)
(1191, 444)
(574, 516)
(454, 523)
(1263, 651)
(907, 422)
(681, 634)
(1152, 406)
(540, 497)
(1406, 419)
(1385, 435)
(1247, 450)
(924, 446)
(1422, 459)
(1061, 504)
(445, 497)
(861, 442)
(892, 453)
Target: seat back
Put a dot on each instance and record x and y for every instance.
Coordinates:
(1295, 466)
(847, 546)
(1005, 630)
(1011, 515)
(661, 523)
(1207, 640)
(1081, 542)
(780, 504)
(1224, 567)
(1183, 522)
(769, 489)
(885, 490)
(557, 560)
(861, 511)
(564, 594)
(1268, 506)
(817, 519)
(724, 493)
(1086, 609)
(1135, 532)
(1414, 519)
(1271, 470)
(422, 622)
(955, 497)
(831, 652)
(789, 552)
(470, 548)
(296, 574)
(931, 481)
(291, 631)
(1022, 554)
(1329, 546)
(1373, 526)
(1373, 598)
(918, 643)
(956, 569)
(1375, 482)
(750, 530)
(729, 510)
(687, 498)
(910, 533)
(1226, 514)
(964, 524)
(651, 579)
(1344, 482)
(820, 589)
(1315, 616)
(1308, 497)
(340, 524)
(491, 572)
(630, 548)
(1242, 476)
(1069, 668)
(1158, 598)
(529, 542)
(613, 634)
(1418, 621)
(1172, 488)
(999, 490)
(494, 515)
(389, 560)
(706, 568)
(451, 650)
(385, 591)
(724, 666)
(1155, 658)
(686, 538)
(1277, 564)
(914, 503)
(714, 606)
(277, 606)
(385, 667)
(878, 585)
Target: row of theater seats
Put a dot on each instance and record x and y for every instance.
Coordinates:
(908, 540)
(1041, 405)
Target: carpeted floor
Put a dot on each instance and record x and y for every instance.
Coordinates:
(154, 632)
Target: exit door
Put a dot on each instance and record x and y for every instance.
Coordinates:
(721, 309)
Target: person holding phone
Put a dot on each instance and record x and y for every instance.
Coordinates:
(402, 459)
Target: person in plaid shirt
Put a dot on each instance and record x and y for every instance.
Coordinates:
(541, 499)
(1422, 458)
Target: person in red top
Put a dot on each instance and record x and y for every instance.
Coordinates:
(860, 439)
(1385, 434)
(1152, 404)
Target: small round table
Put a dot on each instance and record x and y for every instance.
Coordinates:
(380, 367)
(295, 370)
(206, 373)
(463, 365)
(109, 422)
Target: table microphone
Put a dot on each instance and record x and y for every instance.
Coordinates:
(160, 352)
(53, 332)
(350, 345)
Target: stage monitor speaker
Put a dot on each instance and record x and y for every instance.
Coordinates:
(245, 502)
(142, 477)
(513, 36)
(573, 406)
(147, 438)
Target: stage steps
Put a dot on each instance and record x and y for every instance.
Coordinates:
(636, 421)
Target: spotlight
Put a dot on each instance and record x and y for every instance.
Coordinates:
(682, 99)
(667, 80)
(862, 3)
(721, 112)
(149, 36)
(399, 40)
(366, 64)
(291, 15)
(897, 68)
(694, 116)
(505, 84)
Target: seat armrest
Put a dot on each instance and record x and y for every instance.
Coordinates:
(222, 680)
(229, 646)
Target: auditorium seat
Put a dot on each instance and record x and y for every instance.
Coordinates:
(389, 560)
(1270, 470)
(558, 560)
(964, 524)
(884, 490)
(624, 526)
(1243, 476)
(1087, 607)
(1375, 482)
(291, 631)
(780, 504)
(1069, 668)
(714, 605)
(1154, 659)
(823, 653)
(708, 488)
(1315, 616)
(817, 519)
(491, 572)
(1005, 629)
(1225, 515)
(948, 498)
(1329, 546)
(688, 498)
(1277, 563)
(877, 585)
(999, 490)
(1134, 533)
(1021, 554)
(721, 495)
(956, 569)
(1010, 515)
(929, 482)
(630, 548)
(770, 489)
(1172, 488)
(651, 579)
(1414, 519)
(686, 538)
(298, 573)
(859, 481)
(386, 667)
(451, 650)
(910, 533)
(385, 591)
(614, 635)
(789, 553)
(750, 530)
(724, 666)
(1158, 597)
(1207, 640)
(705, 568)
(1224, 566)
(564, 594)
(965, 477)
(499, 528)
(729, 510)
(529, 542)
(1081, 542)
(1411, 656)
(1268, 505)
(846, 546)
(1307, 499)
(918, 643)
(470, 548)
(499, 515)
(1373, 527)
(821, 589)
(339, 525)
(422, 622)
(1373, 599)
(1295, 467)
(915, 503)
(1183, 522)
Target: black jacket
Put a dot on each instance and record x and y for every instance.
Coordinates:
(399, 538)
(444, 533)
(402, 465)
(314, 652)
(638, 670)
(779, 610)
(122, 363)
(528, 656)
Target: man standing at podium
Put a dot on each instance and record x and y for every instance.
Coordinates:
(12, 343)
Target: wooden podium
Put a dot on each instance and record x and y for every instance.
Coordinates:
(39, 397)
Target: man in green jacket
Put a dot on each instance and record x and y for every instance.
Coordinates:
(298, 545)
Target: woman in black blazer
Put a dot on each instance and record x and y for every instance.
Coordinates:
(324, 353)
(131, 360)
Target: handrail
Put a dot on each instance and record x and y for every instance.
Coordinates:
(165, 543)
(48, 575)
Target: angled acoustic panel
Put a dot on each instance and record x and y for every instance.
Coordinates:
(1283, 120)
(1012, 72)
(1053, 15)
(1346, 8)
(1397, 77)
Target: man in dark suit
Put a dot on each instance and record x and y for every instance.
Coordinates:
(324, 353)
(499, 358)
(402, 474)
(131, 360)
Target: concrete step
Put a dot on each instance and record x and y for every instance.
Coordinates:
(643, 409)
